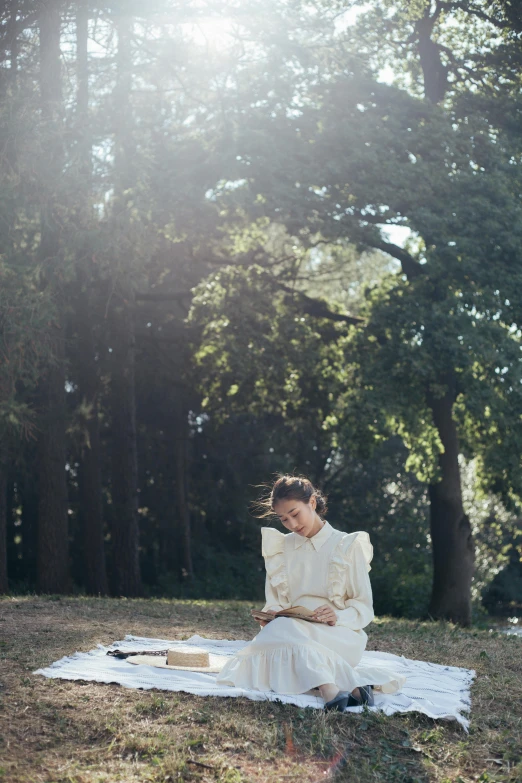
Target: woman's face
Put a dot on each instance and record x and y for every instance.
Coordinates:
(297, 516)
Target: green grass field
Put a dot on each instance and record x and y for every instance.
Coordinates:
(54, 731)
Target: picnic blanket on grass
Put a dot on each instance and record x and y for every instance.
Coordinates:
(441, 692)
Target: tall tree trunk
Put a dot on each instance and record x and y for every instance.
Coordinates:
(53, 544)
(89, 473)
(52, 552)
(169, 533)
(181, 447)
(29, 498)
(435, 74)
(89, 476)
(452, 540)
(4, 586)
(125, 528)
(10, 85)
(12, 41)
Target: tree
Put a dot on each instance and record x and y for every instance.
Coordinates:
(449, 66)
(359, 154)
(90, 484)
(124, 511)
(53, 542)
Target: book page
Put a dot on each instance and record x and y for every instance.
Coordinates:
(297, 612)
(294, 610)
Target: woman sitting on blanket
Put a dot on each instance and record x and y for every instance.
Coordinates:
(326, 571)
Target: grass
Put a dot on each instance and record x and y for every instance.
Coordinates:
(55, 731)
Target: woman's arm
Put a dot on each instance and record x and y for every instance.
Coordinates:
(358, 611)
(271, 604)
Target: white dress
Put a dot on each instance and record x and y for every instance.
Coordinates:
(294, 656)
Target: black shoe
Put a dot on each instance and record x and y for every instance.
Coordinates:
(339, 703)
(366, 692)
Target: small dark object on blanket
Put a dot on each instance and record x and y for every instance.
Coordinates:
(125, 653)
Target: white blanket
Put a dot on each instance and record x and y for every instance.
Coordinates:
(435, 690)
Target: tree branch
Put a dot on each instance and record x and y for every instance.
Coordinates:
(410, 267)
(463, 6)
(318, 307)
(17, 28)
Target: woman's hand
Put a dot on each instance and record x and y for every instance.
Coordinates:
(325, 614)
(262, 623)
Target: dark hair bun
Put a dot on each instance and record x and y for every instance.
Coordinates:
(321, 502)
(289, 487)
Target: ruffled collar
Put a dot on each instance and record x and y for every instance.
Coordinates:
(320, 538)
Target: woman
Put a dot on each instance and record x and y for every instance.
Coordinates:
(326, 571)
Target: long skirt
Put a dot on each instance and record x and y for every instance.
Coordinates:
(295, 656)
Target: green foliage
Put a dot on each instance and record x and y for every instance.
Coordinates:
(258, 352)
(220, 574)
(360, 154)
(504, 593)
(368, 474)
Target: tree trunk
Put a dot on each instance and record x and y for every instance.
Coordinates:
(4, 586)
(435, 74)
(452, 540)
(12, 44)
(89, 475)
(52, 550)
(181, 444)
(170, 559)
(29, 499)
(125, 528)
(453, 547)
(12, 41)
(53, 533)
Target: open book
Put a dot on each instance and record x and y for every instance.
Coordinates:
(299, 612)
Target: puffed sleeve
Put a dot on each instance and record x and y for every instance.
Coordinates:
(276, 583)
(350, 583)
(271, 604)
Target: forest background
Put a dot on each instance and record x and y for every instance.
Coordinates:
(240, 238)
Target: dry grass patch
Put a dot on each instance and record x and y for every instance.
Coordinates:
(55, 731)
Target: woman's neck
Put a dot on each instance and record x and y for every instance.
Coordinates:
(318, 525)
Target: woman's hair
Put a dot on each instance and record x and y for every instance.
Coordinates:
(288, 487)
